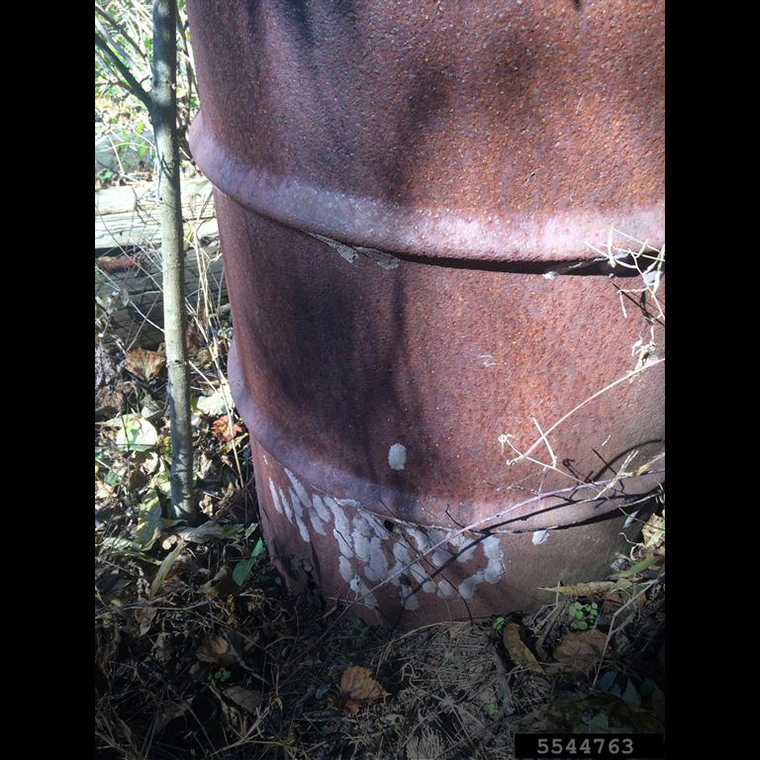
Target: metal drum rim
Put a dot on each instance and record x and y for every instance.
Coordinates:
(425, 234)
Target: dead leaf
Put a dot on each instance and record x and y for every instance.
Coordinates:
(144, 617)
(581, 650)
(217, 649)
(518, 651)
(615, 599)
(194, 337)
(198, 671)
(145, 364)
(113, 264)
(222, 585)
(203, 357)
(163, 648)
(103, 491)
(248, 700)
(221, 429)
(654, 533)
(169, 711)
(358, 689)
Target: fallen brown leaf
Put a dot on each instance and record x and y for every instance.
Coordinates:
(103, 491)
(144, 616)
(615, 599)
(358, 689)
(217, 649)
(163, 649)
(221, 429)
(194, 338)
(518, 651)
(248, 700)
(580, 650)
(113, 264)
(145, 364)
(222, 584)
(654, 534)
(168, 712)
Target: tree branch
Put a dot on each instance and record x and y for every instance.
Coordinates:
(132, 84)
(120, 28)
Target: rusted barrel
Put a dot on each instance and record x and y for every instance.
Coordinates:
(452, 402)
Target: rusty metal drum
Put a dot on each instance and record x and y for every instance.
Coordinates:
(451, 369)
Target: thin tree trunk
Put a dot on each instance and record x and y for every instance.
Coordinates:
(164, 118)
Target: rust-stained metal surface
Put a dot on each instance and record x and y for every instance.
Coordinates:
(397, 186)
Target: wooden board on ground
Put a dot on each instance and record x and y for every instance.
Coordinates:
(128, 215)
(128, 299)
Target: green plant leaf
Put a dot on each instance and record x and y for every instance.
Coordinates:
(165, 567)
(640, 566)
(149, 521)
(127, 548)
(243, 569)
(209, 531)
(162, 482)
(134, 433)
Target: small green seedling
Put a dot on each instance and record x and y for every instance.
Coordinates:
(242, 569)
(359, 628)
(499, 623)
(221, 675)
(584, 615)
(491, 708)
